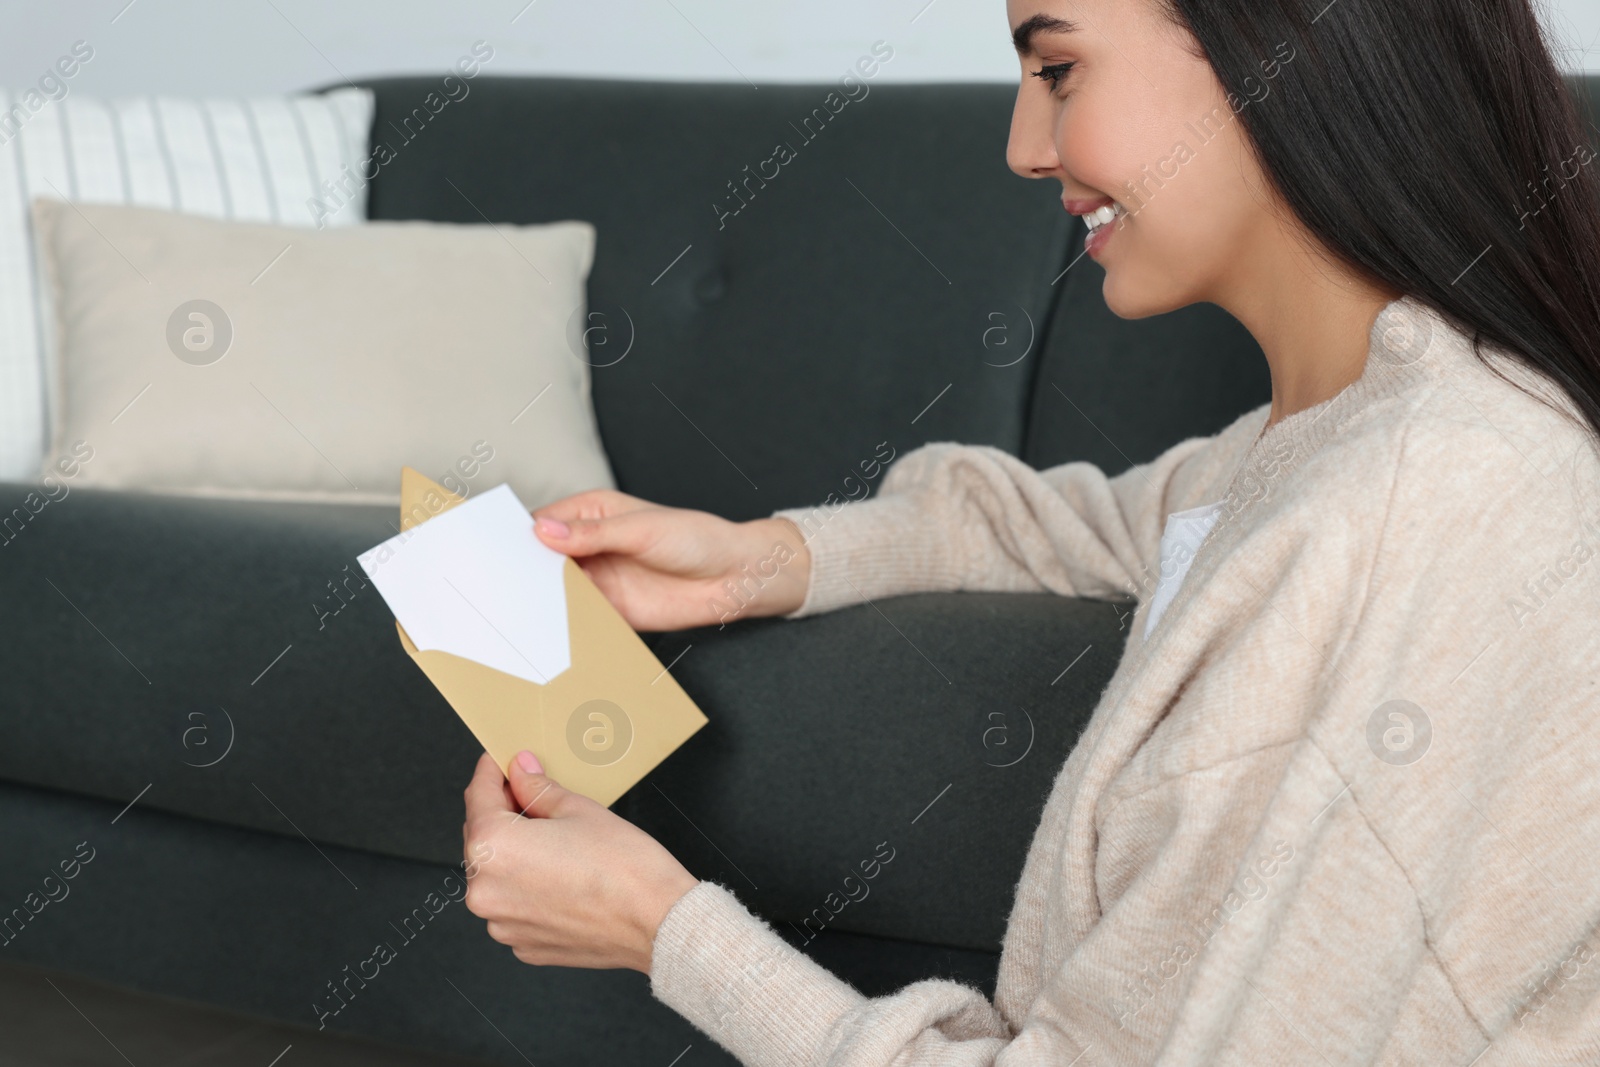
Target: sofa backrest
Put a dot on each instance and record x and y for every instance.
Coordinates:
(805, 277)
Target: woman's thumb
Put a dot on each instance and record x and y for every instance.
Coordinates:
(536, 793)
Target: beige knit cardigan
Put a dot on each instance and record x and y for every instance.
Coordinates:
(1341, 807)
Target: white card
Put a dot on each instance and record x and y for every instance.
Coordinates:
(476, 582)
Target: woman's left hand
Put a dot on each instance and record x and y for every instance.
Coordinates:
(566, 882)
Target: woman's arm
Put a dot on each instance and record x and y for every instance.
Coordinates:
(951, 517)
(770, 1005)
(946, 517)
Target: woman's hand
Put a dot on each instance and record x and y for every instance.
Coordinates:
(671, 568)
(567, 883)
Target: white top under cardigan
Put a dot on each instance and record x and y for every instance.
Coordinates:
(1179, 542)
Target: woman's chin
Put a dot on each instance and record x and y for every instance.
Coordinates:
(1136, 291)
(1131, 298)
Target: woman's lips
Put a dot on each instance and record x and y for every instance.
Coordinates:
(1099, 233)
(1096, 241)
(1084, 205)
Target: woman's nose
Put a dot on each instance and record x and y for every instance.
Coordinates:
(1031, 148)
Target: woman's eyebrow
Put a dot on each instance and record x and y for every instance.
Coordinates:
(1022, 36)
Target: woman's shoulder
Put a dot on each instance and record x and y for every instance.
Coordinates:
(1472, 451)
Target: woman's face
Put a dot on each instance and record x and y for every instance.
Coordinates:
(1138, 122)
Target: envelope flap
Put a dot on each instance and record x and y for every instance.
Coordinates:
(421, 498)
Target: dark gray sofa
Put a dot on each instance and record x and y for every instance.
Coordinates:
(269, 792)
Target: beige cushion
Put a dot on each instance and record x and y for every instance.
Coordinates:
(325, 360)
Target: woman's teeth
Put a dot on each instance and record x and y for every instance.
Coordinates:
(1100, 217)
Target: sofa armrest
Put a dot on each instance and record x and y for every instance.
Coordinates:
(197, 648)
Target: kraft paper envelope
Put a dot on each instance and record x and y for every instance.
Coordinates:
(600, 725)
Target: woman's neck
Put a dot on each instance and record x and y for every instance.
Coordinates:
(1311, 315)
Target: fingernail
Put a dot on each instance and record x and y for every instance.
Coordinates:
(529, 762)
(553, 527)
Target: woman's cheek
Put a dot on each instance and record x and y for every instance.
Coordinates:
(1094, 148)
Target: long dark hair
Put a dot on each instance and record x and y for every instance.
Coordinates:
(1433, 145)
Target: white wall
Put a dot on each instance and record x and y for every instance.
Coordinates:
(246, 46)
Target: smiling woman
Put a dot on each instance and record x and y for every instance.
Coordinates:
(1338, 803)
(1314, 185)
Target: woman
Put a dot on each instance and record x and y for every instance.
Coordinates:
(1339, 803)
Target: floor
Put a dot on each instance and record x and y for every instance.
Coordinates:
(51, 1019)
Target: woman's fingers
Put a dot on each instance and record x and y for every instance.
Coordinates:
(628, 533)
(591, 504)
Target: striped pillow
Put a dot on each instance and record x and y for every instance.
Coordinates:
(261, 159)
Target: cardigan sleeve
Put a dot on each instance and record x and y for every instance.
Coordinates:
(770, 1005)
(972, 517)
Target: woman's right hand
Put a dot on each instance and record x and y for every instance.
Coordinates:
(672, 568)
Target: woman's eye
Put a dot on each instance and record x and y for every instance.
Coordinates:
(1053, 74)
